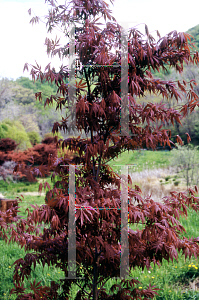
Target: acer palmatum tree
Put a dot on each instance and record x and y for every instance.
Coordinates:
(98, 115)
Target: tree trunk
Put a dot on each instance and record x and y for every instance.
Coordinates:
(95, 271)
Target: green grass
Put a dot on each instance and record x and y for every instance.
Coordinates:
(142, 159)
(13, 190)
(9, 254)
(171, 278)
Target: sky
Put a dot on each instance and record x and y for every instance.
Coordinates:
(22, 42)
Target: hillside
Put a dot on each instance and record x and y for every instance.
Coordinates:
(194, 31)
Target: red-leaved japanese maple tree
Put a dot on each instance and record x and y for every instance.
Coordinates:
(98, 115)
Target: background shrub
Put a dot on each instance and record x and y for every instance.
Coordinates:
(16, 131)
(34, 137)
(7, 145)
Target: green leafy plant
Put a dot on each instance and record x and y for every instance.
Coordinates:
(177, 182)
(167, 178)
(15, 131)
(34, 137)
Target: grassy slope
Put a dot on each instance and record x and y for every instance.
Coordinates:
(142, 159)
(194, 31)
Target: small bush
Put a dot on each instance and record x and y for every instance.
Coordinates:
(167, 178)
(7, 145)
(40, 153)
(34, 137)
(51, 135)
(3, 131)
(48, 140)
(16, 131)
(176, 183)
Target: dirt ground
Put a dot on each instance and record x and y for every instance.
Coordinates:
(33, 193)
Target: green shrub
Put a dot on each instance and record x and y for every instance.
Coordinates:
(176, 183)
(15, 131)
(167, 178)
(3, 131)
(34, 137)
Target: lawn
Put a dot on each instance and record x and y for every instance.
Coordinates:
(173, 279)
(142, 159)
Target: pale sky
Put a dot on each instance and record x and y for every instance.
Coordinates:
(22, 42)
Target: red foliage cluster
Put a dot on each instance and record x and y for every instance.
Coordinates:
(29, 159)
(6, 213)
(8, 216)
(7, 145)
(3, 157)
(49, 140)
(40, 153)
(98, 218)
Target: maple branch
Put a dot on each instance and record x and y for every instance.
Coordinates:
(99, 166)
(88, 85)
(91, 127)
(100, 158)
(112, 275)
(94, 173)
(95, 275)
(90, 249)
(82, 288)
(114, 156)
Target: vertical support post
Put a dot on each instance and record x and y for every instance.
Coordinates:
(124, 266)
(71, 225)
(71, 88)
(124, 116)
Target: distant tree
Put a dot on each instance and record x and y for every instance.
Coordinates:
(23, 95)
(45, 87)
(185, 158)
(11, 111)
(99, 223)
(194, 32)
(6, 93)
(29, 122)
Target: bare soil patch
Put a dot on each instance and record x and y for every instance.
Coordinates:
(33, 193)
